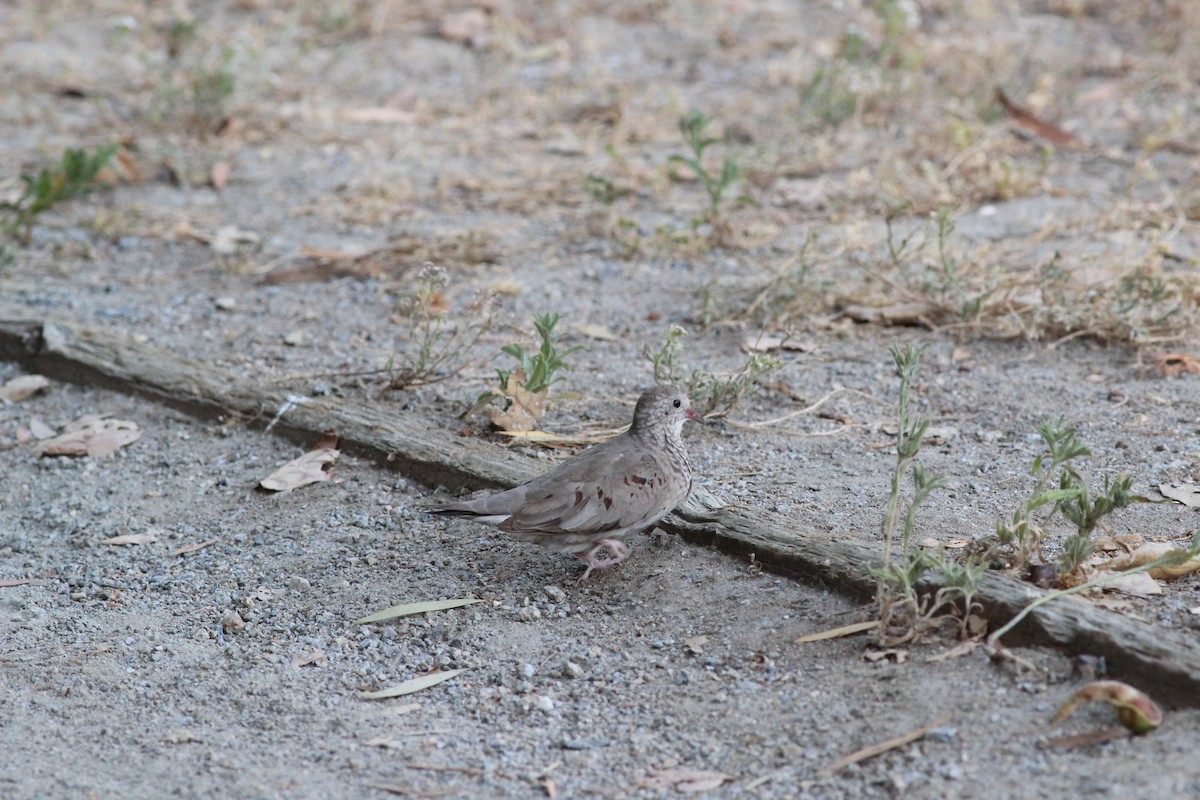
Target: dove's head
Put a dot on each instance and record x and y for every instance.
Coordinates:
(663, 410)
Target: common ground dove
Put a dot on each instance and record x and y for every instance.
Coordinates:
(593, 501)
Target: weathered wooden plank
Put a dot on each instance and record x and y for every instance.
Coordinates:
(1168, 660)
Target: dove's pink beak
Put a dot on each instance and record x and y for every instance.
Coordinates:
(692, 415)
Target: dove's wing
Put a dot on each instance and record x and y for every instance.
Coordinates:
(620, 486)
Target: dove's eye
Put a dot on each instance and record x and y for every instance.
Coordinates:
(676, 404)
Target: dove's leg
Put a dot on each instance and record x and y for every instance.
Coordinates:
(618, 552)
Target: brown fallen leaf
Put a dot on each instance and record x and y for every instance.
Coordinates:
(837, 633)
(1171, 364)
(131, 538)
(1186, 493)
(524, 408)
(685, 779)
(22, 387)
(308, 468)
(1027, 120)
(1151, 551)
(1134, 708)
(91, 435)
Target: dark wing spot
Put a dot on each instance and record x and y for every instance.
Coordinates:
(578, 497)
(608, 502)
(638, 479)
(599, 492)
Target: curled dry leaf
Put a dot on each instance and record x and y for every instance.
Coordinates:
(1171, 364)
(685, 779)
(1134, 708)
(308, 468)
(22, 386)
(91, 435)
(1186, 493)
(1152, 551)
(524, 409)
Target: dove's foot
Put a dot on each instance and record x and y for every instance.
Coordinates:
(618, 551)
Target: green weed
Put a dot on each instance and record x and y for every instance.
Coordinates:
(72, 176)
(716, 185)
(542, 368)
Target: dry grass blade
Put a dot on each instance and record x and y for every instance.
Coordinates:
(411, 686)
(5, 583)
(837, 633)
(191, 548)
(1025, 119)
(883, 747)
(564, 440)
(408, 609)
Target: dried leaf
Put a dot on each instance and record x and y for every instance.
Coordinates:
(92, 435)
(1139, 584)
(409, 609)
(1152, 551)
(218, 176)
(191, 548)
(894, 655)
(1171, 364)
(131, 538)
(470, 27)
(40, 430)
(1186, 493)
(1026, 119)
(883, 747)
(308, 659)
(22, 386)
(1134, 708)
(695, 645)
(916, 313)
(837, 633)
(525, 408)
(308, 468)
(560, 440)
(413, 685)
(685, 779)
(766, 344)
(599, 332)
(961, 649)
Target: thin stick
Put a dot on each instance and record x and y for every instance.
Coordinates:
(883, 747)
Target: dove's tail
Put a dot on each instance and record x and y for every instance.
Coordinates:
(465, 510)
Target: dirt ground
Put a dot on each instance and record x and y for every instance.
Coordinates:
(286, 171)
